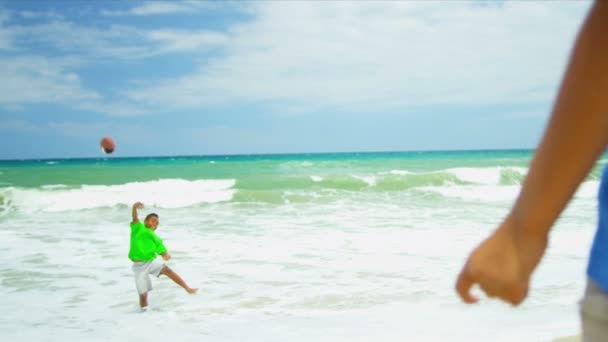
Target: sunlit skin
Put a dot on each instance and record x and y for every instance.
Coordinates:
(152, 222)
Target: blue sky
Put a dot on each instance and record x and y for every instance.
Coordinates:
(197, 78)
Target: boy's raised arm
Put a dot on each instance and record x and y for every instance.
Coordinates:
(137, 205)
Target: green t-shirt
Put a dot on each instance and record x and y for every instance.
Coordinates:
(145, 244)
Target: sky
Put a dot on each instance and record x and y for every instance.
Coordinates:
(235, 77)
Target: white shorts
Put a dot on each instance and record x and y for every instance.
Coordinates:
(142, 271)
(594, 313)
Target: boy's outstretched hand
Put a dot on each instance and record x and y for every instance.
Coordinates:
(502, 265)
(166, 256)
(134, 217)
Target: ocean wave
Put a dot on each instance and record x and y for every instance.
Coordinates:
(280, 197)
(465, 183)
(54, 186)
(6, 202)
(316, 178)
(492, 193)
(489, 175)
(393, 180)
(493, 176)
(164, 193)
(486, 193)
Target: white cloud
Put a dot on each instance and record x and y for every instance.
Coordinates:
(297, 57)
(48, 14)
(19, 125)
(78, 130)
(5, 34)
(372, 56)
(117, 41)
(35, 79)
(183, 40)
(38, 80)
(159, 7)
(120, 108)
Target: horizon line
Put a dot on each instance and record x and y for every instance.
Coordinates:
(109, 157)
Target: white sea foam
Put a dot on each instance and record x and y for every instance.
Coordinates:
(494, 193)
(316, 178)
(165, 193)
(588, 189)
(491, 193)
(486, 176)
(369, 180)
(54, 186)
(473, 175)
(398, 172)
(351, 269)
(332, 272)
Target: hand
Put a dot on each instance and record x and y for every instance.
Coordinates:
(502, 265)
(138, 205)
(166, 256)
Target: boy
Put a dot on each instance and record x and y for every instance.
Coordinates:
(145, 244)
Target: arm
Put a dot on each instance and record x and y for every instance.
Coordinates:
(160, 247)
(575, 137)
(577, 132)
(137, 205)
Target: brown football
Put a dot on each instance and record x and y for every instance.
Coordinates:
(107, 145)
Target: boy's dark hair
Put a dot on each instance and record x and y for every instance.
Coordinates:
(151, 215)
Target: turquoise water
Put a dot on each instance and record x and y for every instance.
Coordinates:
(254, 170)
(271, 178)
(275, 178)
(331, 247)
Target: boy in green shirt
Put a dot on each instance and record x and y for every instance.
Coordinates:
(145, 245)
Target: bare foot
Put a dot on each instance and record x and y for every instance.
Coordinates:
(191, 290)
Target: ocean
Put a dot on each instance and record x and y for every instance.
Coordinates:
(302, 247)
